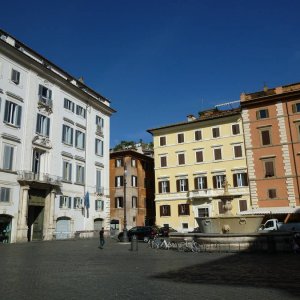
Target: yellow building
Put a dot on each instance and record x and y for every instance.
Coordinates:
(192, 159)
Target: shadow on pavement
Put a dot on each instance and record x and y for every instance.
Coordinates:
(275, 271)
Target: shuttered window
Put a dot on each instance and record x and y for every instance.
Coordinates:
(272, 193)
(12, 113)
(235, 129)
(243, 205)
(238, 151)
(218, 181)
(240, 179)
(164, 187)
(119, 181)
(163, 161)
(296, 107)
(198, 135)
(180, 138)
(15, 76)
(162, 141)
(119, 162)
(218, 153)
(200, 183)
(221, 208)
(181, 159)
(269, 168)
(119, 202)
(199, 156)
(165, 210)
(183, 209)
(182, 185)
(265, 137)
(4, 194)
(262, 114)
(67, 135)
(67, 171)
(216, 132)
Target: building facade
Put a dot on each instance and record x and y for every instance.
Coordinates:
(192, 160)
(54, 149)
(131, 188)
(271, 121)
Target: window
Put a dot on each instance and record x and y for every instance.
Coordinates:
(15, 76)
(243, 205)
(185, 225)
(4, 194)
(181, 159)
(262, 114)
(203, 212)
(8, 155)
(269, 168)
(218, 181)
(99, 147)
(77, 202)
(67, 135)
(119, 162)
(296, 107)
(216, 132)
(240, 179)
(221, 208)
(199, 156)
(99, 205)
(119, 202)
(65, 202)
(69, 105)
(164, 187)
(237, 151)
(133, 181)
(99, 124)
(218, 153)
(42, 125)
(133, 162)
(182, 185)
(162, 141)
(180, 138)
(44, 93)
(80, 111)
(67, 171)
(79, 140)
(119, 181)
(79, 174)
(235, 129)
(183, 209)
(134, 202)
(198, 135)
(165, 210)
(99, 189)
(200, 183)
(12, 113)
(163, 161)
(272, 193)
(265, 137)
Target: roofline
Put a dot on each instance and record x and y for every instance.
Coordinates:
(128, 152)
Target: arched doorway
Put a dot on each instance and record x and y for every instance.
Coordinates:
(5, 228)
(63, 228)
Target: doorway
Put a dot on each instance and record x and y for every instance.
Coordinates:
(5, 228)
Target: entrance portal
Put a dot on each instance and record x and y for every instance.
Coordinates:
(5, 228)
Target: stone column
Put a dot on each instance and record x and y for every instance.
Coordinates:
(51, 227)
(22, 218)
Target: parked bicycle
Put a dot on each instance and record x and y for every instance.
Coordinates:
(189, 246)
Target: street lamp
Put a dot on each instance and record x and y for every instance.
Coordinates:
(125, 235)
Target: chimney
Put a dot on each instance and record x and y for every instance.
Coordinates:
(191, 118)
(81, 79)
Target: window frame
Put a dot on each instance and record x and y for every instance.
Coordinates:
(5, 192)
(183, 209)
(42, 125)
(12, 114)
(180, 138)
(165, 210)
(182, 185)
(99, 205)
(80, 174)
(67, 135)
(77, 135)
(200, 183)
(235, 129)
(69, 105)
(119, 202)
(218, 181)
(198, 135)
(235, 151)
(67, 171)
(262, 131)
(99, 147)
(215, 132)
(215, 152)
(266, 172)
(163, 158)
(181, 159)
(164, 186)
(80, 111)
(162, 141)
(262, 114)
(240, 179)
(196, 156)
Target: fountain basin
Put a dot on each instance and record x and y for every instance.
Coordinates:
(229, 224)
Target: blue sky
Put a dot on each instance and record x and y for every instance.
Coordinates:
(158, 61)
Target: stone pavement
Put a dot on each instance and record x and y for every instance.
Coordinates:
(77, 269)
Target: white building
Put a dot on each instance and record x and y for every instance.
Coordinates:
(54, 149)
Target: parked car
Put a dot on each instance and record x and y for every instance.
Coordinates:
(143, 233)
(164, 231)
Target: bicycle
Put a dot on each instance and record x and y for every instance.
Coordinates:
(189, 246)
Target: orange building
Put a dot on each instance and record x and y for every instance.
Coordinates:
(271, 120)
(136, 185)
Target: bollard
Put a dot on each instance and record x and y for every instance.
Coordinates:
(134, 243)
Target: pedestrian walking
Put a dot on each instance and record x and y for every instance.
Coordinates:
(101, 236)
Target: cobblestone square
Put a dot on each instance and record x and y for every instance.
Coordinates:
(78, 269)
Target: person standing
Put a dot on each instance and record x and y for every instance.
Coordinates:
(101, 236)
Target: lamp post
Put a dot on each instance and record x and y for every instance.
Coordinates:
(125, 235)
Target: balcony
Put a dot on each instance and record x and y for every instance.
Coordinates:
(45, 103)
(215, 193)
(29, 176)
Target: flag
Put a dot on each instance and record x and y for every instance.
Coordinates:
(87, 200)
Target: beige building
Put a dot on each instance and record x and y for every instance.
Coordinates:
(192, 159)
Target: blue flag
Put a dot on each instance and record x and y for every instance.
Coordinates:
(87, 200)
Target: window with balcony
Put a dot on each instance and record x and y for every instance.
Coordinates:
(200, 183)
(5, 194)
(99, 147)
(15, 76)
(99, 205)
(237, 150)
(216, 132)
(183, 209)
(119, 202)
(134, 182)
(42, 125)
(240, 179)
(65, 202)
(134, 202)
(163, 161)
(164, 187)
(235, 128)
(198, 135)
(182, 185)
(69, 105)
(180, 138)
(218, 181)
(181, 159)
(45, 94)
(165, 210)
(79, 140)
(199, 156)
(80, 111)
(119, 181)
(8, 157)
(262, 114)
(67, 171)
(77, 203)
(79, 174)
(67, 135)
(12, 114)
(162, 141)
